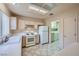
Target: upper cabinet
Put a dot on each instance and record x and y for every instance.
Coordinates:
(13, 23)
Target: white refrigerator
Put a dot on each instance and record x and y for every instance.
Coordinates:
(43, 32)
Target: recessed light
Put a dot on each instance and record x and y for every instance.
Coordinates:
(51, 14)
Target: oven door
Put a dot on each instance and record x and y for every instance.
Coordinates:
(30, 41)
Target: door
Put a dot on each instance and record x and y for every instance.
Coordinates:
(55, 30)
(77, 27)
(69, 30)
(55, 33)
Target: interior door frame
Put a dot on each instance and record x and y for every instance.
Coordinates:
(50, 26)
(61, 26)
(62, 29)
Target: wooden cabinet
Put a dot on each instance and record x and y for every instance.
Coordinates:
(36, 26)
(23, 41)
(37, 39)
(13, 23)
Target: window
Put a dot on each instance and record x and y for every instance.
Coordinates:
(0, 24)
(4, 24)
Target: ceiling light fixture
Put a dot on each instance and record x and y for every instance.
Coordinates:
(37, 9)
(13, 3)
(43, 11)
(33, 8)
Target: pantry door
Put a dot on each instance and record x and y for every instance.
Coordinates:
(69, 30)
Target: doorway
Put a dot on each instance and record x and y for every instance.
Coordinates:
(55, 33)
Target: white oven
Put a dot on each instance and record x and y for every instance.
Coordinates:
(30, 40)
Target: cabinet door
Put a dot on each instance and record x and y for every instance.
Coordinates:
(13, 23)
(23, 41)
(69, 30)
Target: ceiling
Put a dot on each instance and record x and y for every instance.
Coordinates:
(35, 10)
(47, 6)
(39, 10)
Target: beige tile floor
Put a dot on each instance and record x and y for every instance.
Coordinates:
(41, 50)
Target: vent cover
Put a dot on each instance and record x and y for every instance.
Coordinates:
(47, 6)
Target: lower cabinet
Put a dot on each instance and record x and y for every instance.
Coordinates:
(23, 41)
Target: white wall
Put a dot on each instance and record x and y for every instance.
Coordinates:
(4, 9)
(29, 21)
(62, 14)
(22, 21)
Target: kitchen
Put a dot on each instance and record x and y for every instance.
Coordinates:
(28, 29)
(38, 32)
(33, 30)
